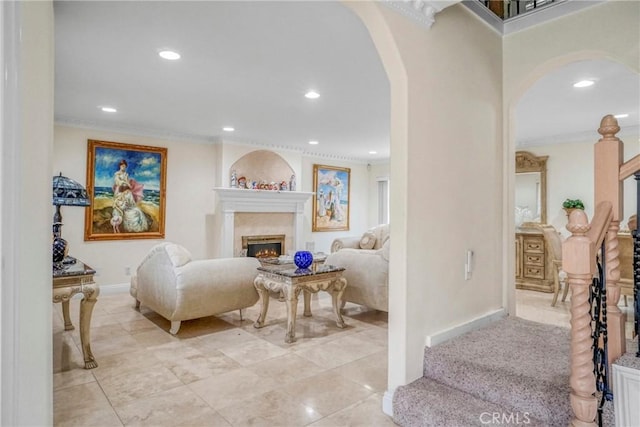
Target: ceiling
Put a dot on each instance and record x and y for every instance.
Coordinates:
(248, 64)
(244, 64)
(553, 111)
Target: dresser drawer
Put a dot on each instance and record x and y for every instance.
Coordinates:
(534, 245)
(536, 260)
(533, 272)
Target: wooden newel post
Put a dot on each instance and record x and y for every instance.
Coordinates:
(608, 157)
(578, 261)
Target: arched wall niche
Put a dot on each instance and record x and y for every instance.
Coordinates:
(262, 165)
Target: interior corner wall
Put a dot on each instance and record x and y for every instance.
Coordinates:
(190, 209)
(453, 178)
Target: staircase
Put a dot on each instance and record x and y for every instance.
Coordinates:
(511, 372)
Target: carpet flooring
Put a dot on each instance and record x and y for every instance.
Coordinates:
(513, 369)
(511, 372)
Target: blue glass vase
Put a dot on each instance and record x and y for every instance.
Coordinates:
(303, 259)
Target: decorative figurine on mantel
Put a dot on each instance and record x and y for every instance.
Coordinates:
(234, 179)
(292, 183)
(242, 182)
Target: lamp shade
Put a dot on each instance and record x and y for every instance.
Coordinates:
(67, 192)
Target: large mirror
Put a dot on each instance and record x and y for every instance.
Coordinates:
(531, 188)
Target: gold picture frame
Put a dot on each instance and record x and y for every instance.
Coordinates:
(127, 187)
(332, 196)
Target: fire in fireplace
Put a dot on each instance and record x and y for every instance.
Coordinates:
(264, 246)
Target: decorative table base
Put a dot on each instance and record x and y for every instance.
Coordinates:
(68, 281)
(293, 281)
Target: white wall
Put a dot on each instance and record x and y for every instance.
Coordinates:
(359, 204)
(191, 173)
(446, 175)
(570, 176)
(27, 139)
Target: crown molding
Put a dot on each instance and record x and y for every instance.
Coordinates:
(133, 130)
(420, 11)
(199, 139)
(584, 136)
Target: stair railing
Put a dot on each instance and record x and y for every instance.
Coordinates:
(597, 332)
(580, 262)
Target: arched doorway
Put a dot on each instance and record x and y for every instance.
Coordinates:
(550, 117)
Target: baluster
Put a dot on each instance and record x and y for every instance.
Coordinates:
(615, 325)
(578, 255)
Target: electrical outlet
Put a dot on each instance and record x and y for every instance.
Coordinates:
(127, 271)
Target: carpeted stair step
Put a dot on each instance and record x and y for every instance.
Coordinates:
(515, 363)
(426, 402)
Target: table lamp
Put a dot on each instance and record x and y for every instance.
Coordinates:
(66, 192)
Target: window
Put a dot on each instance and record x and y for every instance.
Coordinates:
(383, 200)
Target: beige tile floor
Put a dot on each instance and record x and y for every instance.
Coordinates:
(221, 371)
(536, 306)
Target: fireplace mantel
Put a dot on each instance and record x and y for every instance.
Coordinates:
(233, 200)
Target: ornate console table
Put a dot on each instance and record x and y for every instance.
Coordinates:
(291, 282)
(75, 279)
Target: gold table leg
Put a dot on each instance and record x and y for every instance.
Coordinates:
(86, 309)
(68, 326)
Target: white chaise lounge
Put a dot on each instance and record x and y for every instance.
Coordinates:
(178, 288)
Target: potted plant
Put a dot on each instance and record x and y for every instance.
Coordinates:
(570, 205)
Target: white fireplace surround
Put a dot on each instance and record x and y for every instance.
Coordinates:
(234, 200)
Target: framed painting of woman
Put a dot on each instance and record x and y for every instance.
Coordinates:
(127, 187)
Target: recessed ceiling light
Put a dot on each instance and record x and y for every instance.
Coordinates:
(108, 109)
(169, 54)
(313, 142)
(312, 94)
(621, 116)
(373, 152)
(228, 129)
(583, 83)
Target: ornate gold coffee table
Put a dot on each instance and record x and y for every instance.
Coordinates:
(291, 282)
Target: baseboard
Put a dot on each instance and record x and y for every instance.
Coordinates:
(474, 324)
(117, 288)
(387, 403)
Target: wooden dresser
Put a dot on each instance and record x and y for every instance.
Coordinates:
(533, 271)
